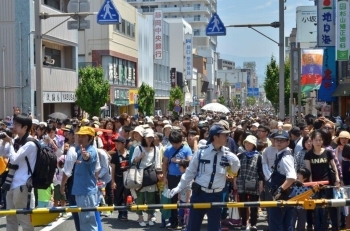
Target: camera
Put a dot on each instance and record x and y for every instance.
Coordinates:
(7, 184)
(7, 132)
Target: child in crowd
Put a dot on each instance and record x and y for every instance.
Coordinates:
(59, 198)
(160, 186)
(303, 175)
(184, 197)
(45, 196)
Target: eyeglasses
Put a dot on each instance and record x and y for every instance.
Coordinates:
(261, 131)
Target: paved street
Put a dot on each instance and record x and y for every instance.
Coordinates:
(112, 223)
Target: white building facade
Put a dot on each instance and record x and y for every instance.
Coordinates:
(197, 13)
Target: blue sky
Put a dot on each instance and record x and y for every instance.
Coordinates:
(244, 44)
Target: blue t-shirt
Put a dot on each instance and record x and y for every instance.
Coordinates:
(84, 173)
(183, 154)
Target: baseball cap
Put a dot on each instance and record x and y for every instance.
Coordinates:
(217, 129)
(35, 121)
(282, 134)
(85, 130)
(256, 124)
(120, 139)
(273, 133)
(67, 128)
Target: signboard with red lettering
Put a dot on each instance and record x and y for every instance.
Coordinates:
(329, 76)
(158, 34)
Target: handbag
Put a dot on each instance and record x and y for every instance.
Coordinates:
(250, 185)
(149, 173)
(331, 175)
(133, 177)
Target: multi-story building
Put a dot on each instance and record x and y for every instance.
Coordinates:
(197, 13)
(115, 48)
(224, 64)
(17, 75)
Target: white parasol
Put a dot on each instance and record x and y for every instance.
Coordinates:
(216, 107)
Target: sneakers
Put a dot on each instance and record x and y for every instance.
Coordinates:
(150, 222)
(106, 214)
(171, 226)
(253, 228)
(142, 224)
(154, 219)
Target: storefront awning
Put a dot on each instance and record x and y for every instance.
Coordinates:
(342, 90)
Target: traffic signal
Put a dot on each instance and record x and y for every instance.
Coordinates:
(76, 6)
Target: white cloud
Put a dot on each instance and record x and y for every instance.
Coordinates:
(267, 4)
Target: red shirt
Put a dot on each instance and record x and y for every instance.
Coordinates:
(107, 140)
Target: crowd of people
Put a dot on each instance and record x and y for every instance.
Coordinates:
(208, 157)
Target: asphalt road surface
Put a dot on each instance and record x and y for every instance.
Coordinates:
(112, 223)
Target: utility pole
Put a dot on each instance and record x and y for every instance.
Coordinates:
(38, 61)
(281, 60)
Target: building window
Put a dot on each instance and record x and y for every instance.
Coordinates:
(197, 18)
(54, 54)
(196, 6)
(132, 30)
(123, 26)
(53, 3)
(128, 29)
(196, 32)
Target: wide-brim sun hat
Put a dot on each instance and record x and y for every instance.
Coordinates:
(139, 130)
(251, 139)
(342, 134)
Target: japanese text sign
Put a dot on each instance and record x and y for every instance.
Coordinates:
(329, 76)
(342, 30)
(158, 34)
(188, 56)
(326, 23)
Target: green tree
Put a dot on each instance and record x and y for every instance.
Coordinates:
(175, 93)
(221, 100)
(251, 101)
(146, 99)
(236, 102)
(93, 90)
(271, 82)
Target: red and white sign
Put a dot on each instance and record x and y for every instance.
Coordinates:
(158, 34)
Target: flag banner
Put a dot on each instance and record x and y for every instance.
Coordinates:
(311, 69)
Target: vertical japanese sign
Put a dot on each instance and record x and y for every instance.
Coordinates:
(329, 77)
(342, 30)
(173, 77)
(311, 69)
(188, 56)
(158, 34)
(325, 23)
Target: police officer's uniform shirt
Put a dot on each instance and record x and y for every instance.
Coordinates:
(286, 165)
(225, 159)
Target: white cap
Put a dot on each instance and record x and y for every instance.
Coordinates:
(167, 126)
(279, 124)
(256, 124)
(35, 121)
(166, 122)
(43, 123)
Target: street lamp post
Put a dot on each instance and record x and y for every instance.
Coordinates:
(280, 43)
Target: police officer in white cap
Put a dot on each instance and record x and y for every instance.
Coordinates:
(282, 177)
(208, 170)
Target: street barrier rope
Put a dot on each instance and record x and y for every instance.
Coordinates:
(307, 204)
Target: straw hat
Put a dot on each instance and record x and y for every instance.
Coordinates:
(343, 134)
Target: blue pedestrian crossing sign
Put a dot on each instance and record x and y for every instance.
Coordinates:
(215, 26)
(108, 14)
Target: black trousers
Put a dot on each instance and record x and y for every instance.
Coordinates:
(173, 181)
(243, 197)
(120, 194)
(109, 193)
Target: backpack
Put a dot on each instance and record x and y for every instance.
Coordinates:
(45, 166)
